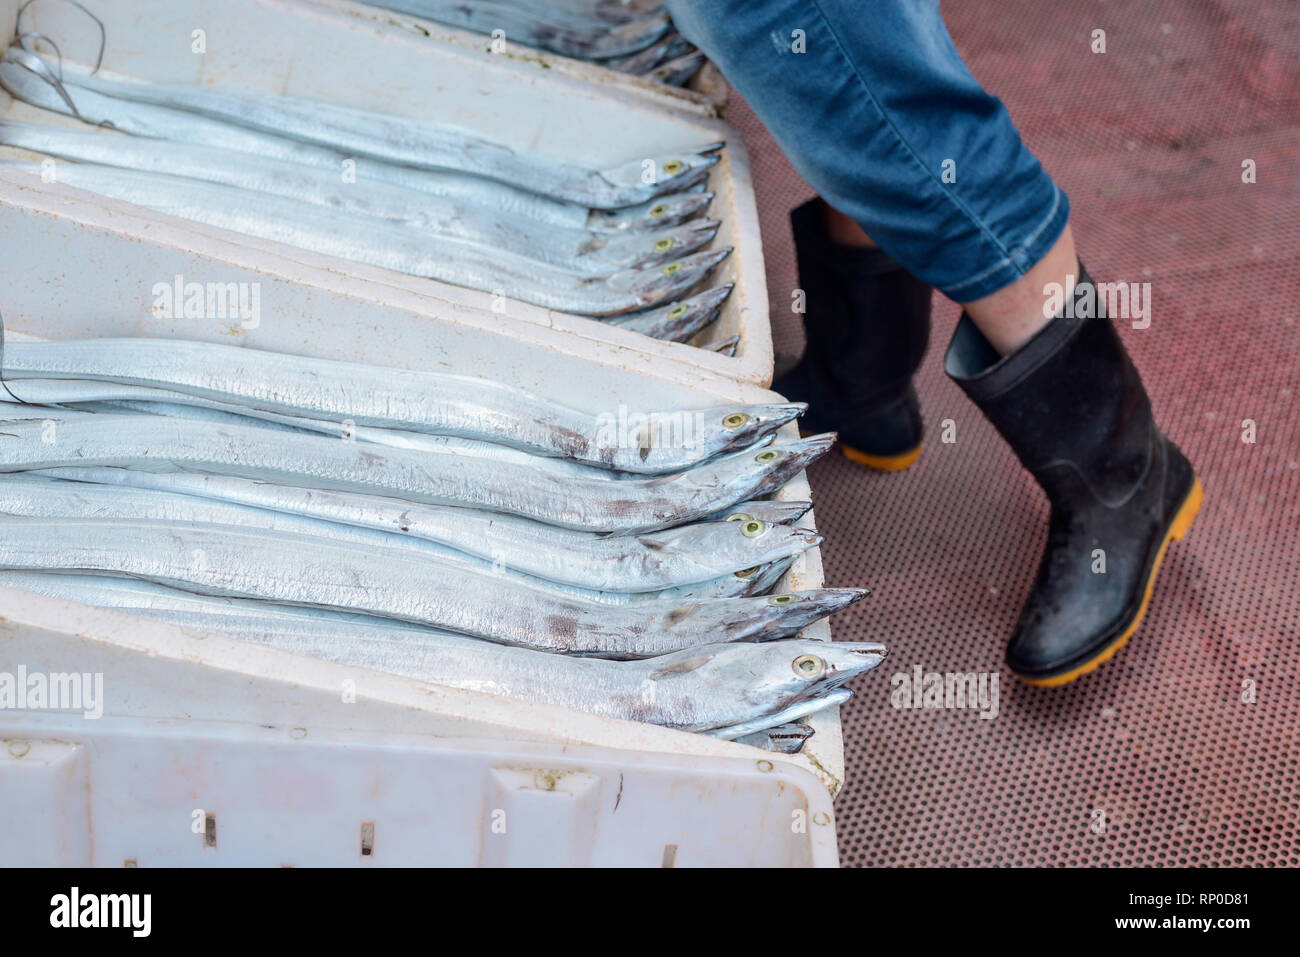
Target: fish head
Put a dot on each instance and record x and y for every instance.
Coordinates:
(719, 548)
(797, 669)
(788, 612)
(782, 461)
(653, 285)
(668, 173)
(660, 213)
(678, 70)
(729, 428)
(638, 250)
(771, 511)
(765, 466)
(774, 674)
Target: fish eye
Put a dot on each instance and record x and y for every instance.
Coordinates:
(677, 312)
(753, 528)
(771, 455)
(664, 244)
(739, 517)
(747, 572)
(659, 210)
(672, 269)
(809, 666)
(673, 166)
(780, 599)
(735, 420)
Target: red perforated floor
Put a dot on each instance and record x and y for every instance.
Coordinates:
(1186, 748)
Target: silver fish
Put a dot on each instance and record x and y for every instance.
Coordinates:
(680, 322)
(420, 144)
(678, 71)
(540, 27)
(392, 246)
(670, 47)
(43, 497)
(581, 251)
(726, 347)
(297, 570)
(68, 397)
(63, 399)
(652, 561)
(26, 77)
(711, 686)
(368, 395)
(631, 505)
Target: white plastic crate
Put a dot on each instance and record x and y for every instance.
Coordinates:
(326, 52)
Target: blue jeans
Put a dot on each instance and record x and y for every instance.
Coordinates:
(873, 106)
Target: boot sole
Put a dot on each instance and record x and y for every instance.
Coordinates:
(1177, 529)
(882, 463)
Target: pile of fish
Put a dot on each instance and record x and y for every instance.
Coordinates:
(438, 526)
(626, 244)
(630, 36)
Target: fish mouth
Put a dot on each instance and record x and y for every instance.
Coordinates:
(774, 415)
(678, 70)
(623, 185)
(792, 712)
(807, 537)
(671, 210)
(744, 425)
(711, 300)
(816, 604)
(792, 458)
(847, 660)
(641, 250)
(653, 286)
(790, 612)
(693, 314)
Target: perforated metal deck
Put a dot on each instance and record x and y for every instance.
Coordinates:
(1158, 758)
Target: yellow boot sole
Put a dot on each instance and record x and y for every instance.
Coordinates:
(1181, 523)
(885, 463)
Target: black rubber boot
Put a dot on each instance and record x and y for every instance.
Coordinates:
(1071, 405)
(868, 324)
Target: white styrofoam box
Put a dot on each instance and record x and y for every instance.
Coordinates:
(705, 95)
(78, 267)
(100, 250)
(321, 51)
(202, 750)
